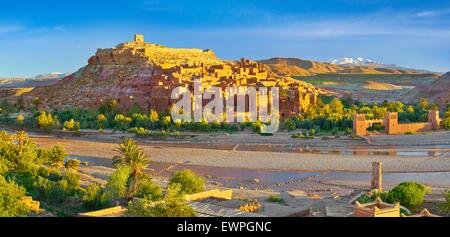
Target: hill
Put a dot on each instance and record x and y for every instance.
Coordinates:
(144, 74)
(437, 92)
(301, 67)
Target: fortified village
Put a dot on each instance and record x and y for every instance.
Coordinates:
(144, 74)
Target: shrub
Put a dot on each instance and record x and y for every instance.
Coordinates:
(94, 198)
(290, 125)
(46, 121)
(56, 156)
(173, 205)
(72, 125)
(101, 121)
(188, 180)
(409, 194)
(149, 190)
(122, 122)
(20, 118)
(10, 200)
(444, 206)
(118, 182)
(275, 198)
(73, 164)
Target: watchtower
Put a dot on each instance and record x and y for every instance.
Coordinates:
(138, 38)
(359, 124)
(434, 120)
(391, 123)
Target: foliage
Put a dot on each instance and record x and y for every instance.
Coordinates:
(132, 156)
(122, 122)
(73, 164)
(188, 180)
(118, 182)
(56, 156)
(409, 194)
(173, 205)
(20, 118)
(149, 190)
(46, 121)
(444, 206)
(72, 125)
(275, 198)
(10, 199)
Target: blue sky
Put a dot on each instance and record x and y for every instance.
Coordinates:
(46, 36)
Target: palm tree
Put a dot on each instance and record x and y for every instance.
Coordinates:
(132, 156)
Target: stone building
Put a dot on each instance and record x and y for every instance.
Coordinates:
(392, 126)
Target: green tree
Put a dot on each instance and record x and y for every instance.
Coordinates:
(189, 182)
(409, 194)
(46, 121)
(132, 156)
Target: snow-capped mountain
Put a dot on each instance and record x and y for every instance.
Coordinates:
(353, 62)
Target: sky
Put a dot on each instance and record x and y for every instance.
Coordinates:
(46, 36)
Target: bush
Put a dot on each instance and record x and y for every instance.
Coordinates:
(275, 198)
(72, 125)
(94, 198)
(56, 156)
(444, 206)
(46, 121)
(73, 164)
(118, 183)
(188, 180)
(149, 190)
(173, 205)
(409, 194)
(290, 125)
(10, 200)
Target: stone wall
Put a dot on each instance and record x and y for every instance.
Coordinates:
(391, 125)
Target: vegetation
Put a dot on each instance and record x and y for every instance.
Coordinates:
(189, 182)
(408, 194)
(72, 125)
(444, 206)
(173, 205)
(46, 121)
(276, 198)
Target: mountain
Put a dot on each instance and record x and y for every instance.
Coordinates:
(301, 67)
(437, 92)
(354, 62)
(39, 80)
(144, 74)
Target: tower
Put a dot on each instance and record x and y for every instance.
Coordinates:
(359, 124)
(138, 38)
(376, 181)
(391, 123)
(434, 120)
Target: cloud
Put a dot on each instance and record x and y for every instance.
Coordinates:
(432, 13)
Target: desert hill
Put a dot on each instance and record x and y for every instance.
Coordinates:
(300, 67)
(437, 92)
(381, 86)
